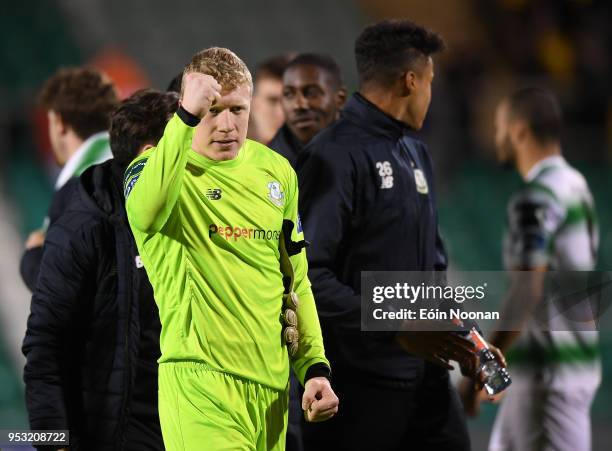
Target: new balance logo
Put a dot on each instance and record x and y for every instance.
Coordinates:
(213, 194)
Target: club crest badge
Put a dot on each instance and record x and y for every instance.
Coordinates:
(421, 181)
(275, 194)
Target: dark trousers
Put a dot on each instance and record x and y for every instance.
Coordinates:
(296, 414)
(383, 416)
(143, 432)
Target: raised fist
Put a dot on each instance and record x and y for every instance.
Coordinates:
(200, 91)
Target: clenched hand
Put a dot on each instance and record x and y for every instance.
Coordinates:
(200, 91)
(319, 402)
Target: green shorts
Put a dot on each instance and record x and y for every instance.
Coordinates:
(204, 409)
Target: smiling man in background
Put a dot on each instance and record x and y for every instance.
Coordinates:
(313, 94)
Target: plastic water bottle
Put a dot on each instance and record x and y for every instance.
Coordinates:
(497, 378)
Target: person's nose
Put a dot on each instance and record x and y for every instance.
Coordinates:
(225, 123)
(300, 101)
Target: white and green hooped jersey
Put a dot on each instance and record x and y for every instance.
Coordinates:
(552, 223)
(94, 150)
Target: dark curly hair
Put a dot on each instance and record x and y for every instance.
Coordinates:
(138, 120)
(386, 50)
(83, 97)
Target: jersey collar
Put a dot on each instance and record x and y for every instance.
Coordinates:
(543, 164)
(368, 116)
(70, 168)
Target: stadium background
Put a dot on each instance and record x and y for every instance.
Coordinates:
(493, 47)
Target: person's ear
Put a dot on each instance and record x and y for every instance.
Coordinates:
(409, 83)
(517, 132)
(55, 120)
(145, 148)
(340, 98)
(63, 127)
(523, 131)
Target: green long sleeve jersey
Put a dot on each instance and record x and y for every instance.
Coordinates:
(208, 235)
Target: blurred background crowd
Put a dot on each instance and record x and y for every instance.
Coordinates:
(494, 46)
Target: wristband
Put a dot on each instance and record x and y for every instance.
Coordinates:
(188, 118)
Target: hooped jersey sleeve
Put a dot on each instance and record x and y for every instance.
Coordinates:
(534, 217)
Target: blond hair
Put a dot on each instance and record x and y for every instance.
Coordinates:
(223, 65)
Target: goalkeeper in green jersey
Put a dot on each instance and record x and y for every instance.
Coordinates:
(215, 217)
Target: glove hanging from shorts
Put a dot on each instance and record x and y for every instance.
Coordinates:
(289, 316)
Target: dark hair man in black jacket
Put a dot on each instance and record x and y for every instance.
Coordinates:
(93, 333)
(313, 95)
(368, 204)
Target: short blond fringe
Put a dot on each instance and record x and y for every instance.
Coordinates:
(223, 65)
